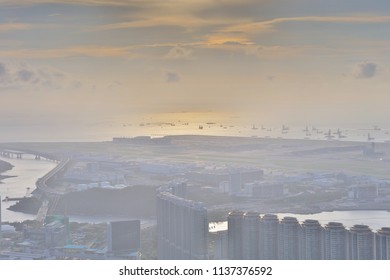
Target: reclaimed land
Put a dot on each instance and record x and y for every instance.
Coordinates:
(295, 155)
(282, 156)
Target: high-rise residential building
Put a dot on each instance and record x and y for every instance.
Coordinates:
(221, 246)
(179, 189)
(382, 242)
(235, 182)
(335, 241)
(268, 237)
(123, 237)
(361, 243)
(312, 240)
(182, 225)
(250, 236)
(235, 235)
(289, 239)
(198, 222)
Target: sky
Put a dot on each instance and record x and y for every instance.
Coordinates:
(274, 61)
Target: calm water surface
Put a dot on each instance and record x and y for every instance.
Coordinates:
(27, 171)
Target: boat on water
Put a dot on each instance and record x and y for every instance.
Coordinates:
(329, 135)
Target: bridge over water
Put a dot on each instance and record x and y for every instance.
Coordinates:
(49, 196)
(9, 153)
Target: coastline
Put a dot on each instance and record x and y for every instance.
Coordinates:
(21, 177)
(296, 153)
(4, 167)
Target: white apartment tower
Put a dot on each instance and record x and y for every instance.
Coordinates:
(382, 242)
(361, 243)
(312, 240)
(335, 241)
(289, 239)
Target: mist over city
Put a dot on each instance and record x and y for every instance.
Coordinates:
(207, 130)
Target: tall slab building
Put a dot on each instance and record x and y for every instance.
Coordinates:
(250, 236)
(289, 239)
(235, 235)
(182, 225)
(382, 243)
(335, 241)
(312, 240)
(268, 237)
(361, 243)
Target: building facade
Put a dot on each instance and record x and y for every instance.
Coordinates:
(382, 244)
(361, 243)
(235, 235)
(268, 237)
(289, 239)
(250, 236)
(182, 225)
(335, 241)
(312, 240)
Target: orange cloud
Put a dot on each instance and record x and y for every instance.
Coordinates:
(269, 25)
(89, 51)
(12, 26)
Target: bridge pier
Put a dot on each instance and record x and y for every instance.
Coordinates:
(6, 154)
(19, 154)
(11, 154)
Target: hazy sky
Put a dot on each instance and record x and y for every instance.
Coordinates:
(286, 61)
